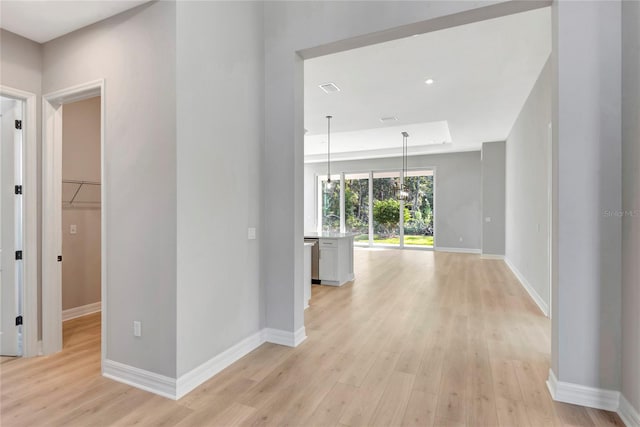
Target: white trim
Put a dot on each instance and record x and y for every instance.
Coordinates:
(30, 220)
(629, 415)
(542, 305)
(577, 394)
(208, 369)
(492, 256)
(83, 310)
(550, 215)
(289, 339)
(458, 250)
(176, 389)
(51, 211)
(139, 378)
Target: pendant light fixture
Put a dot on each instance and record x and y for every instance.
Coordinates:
(330, 184)
(402, 193)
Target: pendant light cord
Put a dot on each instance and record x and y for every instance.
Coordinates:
(329, 148)
(405, 151)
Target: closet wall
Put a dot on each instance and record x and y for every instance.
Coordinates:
(81, 163)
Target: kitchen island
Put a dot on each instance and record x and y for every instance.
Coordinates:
(335, 257)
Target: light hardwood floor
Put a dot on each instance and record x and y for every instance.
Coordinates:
(420, 338)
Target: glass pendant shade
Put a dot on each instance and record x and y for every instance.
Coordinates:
(402, 193)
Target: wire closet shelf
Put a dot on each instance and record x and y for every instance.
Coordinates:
(76, 193)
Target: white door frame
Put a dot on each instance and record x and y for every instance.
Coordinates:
(52, 211)
(30, 219)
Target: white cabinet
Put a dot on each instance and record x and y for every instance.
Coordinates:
(336, 260)
(328, 266)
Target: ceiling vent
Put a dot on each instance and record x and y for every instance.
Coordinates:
(329, 87)
(388, 119)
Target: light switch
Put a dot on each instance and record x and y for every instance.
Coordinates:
(251, 233)
(487, 219)
(137, 328)
(73, 229)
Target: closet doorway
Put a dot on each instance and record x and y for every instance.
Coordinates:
(74, 229)
(81, 216)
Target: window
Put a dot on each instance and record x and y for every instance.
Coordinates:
(356, 206)
(418, 229)
(386, 208)
(371, 210)
(330, 204)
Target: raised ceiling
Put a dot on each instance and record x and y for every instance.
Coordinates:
(46, 20)
(482, 72)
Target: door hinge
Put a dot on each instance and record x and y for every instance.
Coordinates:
(18, 320)
(18, 124)
(18, 189)
(59, 258)
(18, 255)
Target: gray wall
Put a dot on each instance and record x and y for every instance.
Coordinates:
(220, 136)
(493, 197)
(21, 68)
(586, 329)
(457, 192)
(81, 162)
(135, 53)
(631, 202)
(527, 186)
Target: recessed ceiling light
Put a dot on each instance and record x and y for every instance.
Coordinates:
(388, 119)
(329, 87)
(429, 81)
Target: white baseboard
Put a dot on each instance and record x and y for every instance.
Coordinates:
(457, 250)
(492, 256)
(139, 378)
(208, 369)
(175, 389)
(290, 339)
(608, 400)
(629, 415)
(83, 310)
(542, 305)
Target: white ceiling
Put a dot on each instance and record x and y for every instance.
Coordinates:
(483, 74)
(46, 20)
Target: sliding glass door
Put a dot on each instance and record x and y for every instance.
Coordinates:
(386, 209)
(367, 205)
(418, 229)
(356, 206)
(329, 202)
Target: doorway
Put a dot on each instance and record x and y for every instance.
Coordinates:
(74, 227)
(11, 232)
(81, 210)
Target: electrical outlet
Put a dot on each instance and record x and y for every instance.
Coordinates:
(251, 233)
(73, 229)
(461, 239)
(137, 328)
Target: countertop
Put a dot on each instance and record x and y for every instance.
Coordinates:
(328, 235)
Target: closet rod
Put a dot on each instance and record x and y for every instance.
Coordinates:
(73, 181)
